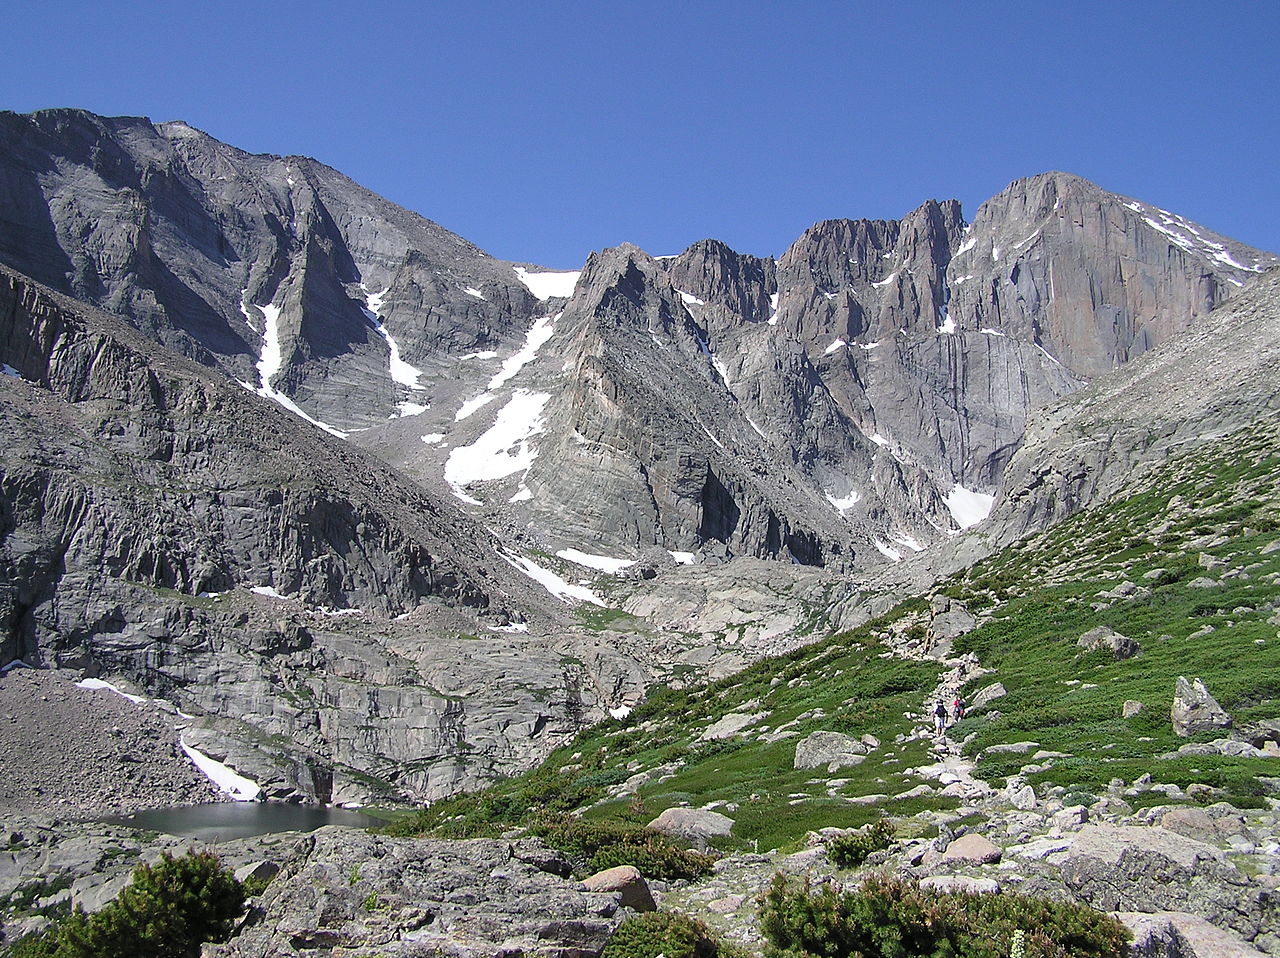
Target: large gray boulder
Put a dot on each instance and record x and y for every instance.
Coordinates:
(1195, 710)
(1149, 869)
(1176, 934)
(344, 889)
(1109, 640)
(829, 750)
(696, 825)
(627, 881)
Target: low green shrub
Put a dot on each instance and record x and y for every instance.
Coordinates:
(595, 846)
(167, 911)
(670, 933)
(888, 917)
(850, 851)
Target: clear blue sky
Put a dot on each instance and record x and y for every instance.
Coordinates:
(542, 131)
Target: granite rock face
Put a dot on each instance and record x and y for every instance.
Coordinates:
(365, 895)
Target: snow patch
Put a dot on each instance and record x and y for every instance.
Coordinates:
(270, 359)
(472, 291)
(471, 405)
(911, 543)
(512, 627)
(433, 438)
(621, 712)
(887, 280)
(546, 285)
(752, 423)
(878, 439)
(486, 354)
(837, 344)
(401, 372)
(240, 789)
(411, 409)
(504, 449)
(886, 551)
(603, 563)
(773, 310)
(551, 582)
(846, 503)
(968, 508)
(267, 591)
(948, 325)
(995, 253)
(690, 299)
(100, 684)
(967, 245)
(682, 558)
(960, 280)
(987, 330)
(542, 329)
(712, 438)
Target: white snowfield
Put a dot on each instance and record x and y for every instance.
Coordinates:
(844, 503)
(100, 684)
(968, 508)
(553, 583)
(401, 372)
(269, 362)
(835, 345)
(948, 325)
(503, 450)
(891, 554)
(603, 563)
(542, 329)
(240, 789)
(549, 284)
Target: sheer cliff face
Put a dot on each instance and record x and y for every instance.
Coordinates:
(262, 265)
(846, 404)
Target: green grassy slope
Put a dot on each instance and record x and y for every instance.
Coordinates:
(1213, 514)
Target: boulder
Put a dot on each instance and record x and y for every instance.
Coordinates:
(1177, 934)
(990, 693)
(972, 848)
(692, 824)
(1109, 640)
(1130, 708)
(1151, 869)
(1023, 798)
(829, 750)
(960, 883)
(628, 882)
(1195, 710)
(729, 726)
(258, 871)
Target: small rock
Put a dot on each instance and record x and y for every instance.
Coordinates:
(627, 880)
(961, 883)
(1024, 798)
(972, 848)
(1131, 708)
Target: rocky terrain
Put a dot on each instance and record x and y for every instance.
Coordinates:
(368, 516)
(78, 752)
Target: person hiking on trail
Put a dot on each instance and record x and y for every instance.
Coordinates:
(939, 717)
(957, 710)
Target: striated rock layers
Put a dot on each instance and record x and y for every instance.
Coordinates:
(143, 503)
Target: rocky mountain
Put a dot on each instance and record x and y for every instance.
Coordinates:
(845, 405)
(343, 485)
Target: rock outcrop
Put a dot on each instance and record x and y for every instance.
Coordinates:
(1195, 710)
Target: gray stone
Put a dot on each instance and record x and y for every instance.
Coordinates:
(692, 824)
(730, 725)
(1195, 710)
(830, 750)
(989, 694)
(1171, 934)
(1130, 708)
(960, 883)
(1109, 640)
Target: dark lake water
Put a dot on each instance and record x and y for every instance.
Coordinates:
(226, 820)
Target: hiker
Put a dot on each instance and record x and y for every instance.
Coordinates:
(957, 710)
(939, 717)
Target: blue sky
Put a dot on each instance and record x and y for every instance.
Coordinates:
(542, 131)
